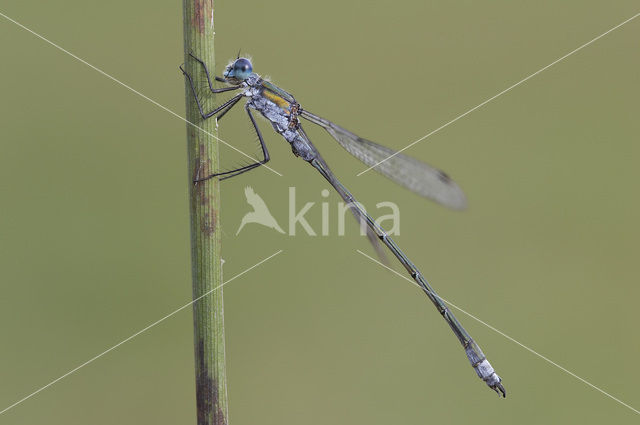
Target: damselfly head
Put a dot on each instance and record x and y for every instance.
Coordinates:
(238, 70)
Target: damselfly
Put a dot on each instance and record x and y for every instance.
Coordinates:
(283, 112)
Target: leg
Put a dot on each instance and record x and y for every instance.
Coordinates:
(221, 114)
(214, 90)
(241, 170)
(238, 171)
(227, 104)
(206, 71)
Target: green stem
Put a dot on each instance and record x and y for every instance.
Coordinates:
(208, 313)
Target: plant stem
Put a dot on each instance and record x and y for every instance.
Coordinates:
(208, 313)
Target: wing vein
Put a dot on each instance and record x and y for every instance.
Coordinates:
(408, 172)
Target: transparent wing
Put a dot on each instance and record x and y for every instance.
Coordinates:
(415, 175)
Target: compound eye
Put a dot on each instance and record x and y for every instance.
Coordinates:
(243, 65)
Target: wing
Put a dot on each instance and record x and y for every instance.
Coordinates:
(415, 175)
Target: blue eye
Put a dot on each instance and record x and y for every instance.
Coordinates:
(242, 66)
(240, 69)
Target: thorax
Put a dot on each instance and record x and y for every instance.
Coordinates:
(275, 104)
(281, 110)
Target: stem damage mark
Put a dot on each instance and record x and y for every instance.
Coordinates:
(203, 9)
(203, 168)
(207, 401)
(208, 225)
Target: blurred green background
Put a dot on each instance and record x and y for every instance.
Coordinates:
(94, 225)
